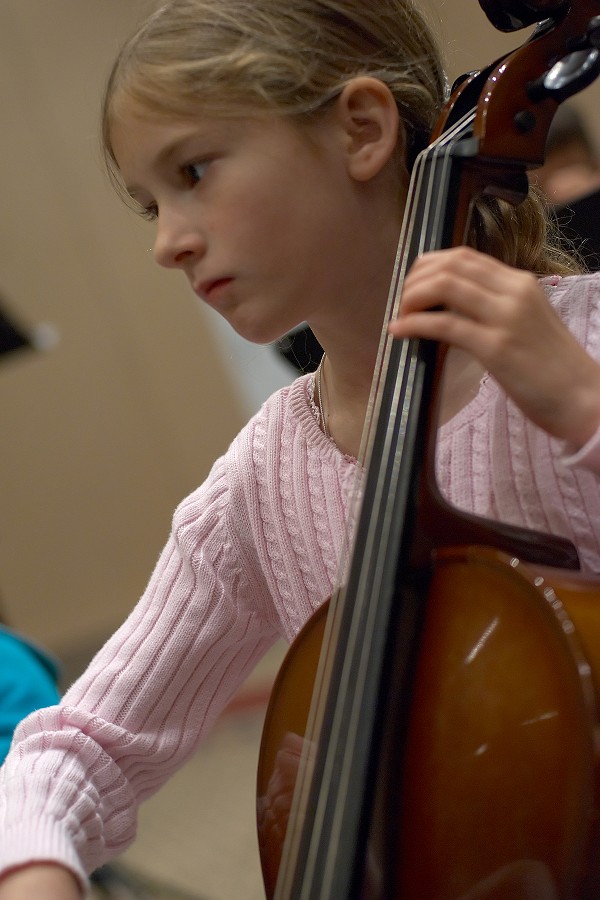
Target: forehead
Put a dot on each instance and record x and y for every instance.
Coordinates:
(140, 138)
(143, 129)
(127, 119)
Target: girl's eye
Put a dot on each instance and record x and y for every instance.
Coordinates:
(194, 172)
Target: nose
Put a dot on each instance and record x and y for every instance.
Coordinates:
(178, 242)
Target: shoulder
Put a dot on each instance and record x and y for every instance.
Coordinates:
(285, 419)
(573, 295)
(280, 452)
(254, 455)
(284, 432)
(576, 299)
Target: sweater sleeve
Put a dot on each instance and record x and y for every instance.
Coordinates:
(77, 772)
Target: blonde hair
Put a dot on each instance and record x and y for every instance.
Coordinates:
(291, 57)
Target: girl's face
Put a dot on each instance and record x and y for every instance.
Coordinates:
(260, 214)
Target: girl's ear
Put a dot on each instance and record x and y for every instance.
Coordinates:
(372, 129)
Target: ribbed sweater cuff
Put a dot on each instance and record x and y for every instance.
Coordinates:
(51, 846)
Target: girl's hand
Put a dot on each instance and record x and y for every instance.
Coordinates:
(501, 316)
(42, 881)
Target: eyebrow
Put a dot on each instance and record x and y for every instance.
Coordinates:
(164, 156)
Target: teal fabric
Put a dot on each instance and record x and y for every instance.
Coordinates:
(28, 681)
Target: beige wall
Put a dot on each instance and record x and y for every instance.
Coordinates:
(102, 435)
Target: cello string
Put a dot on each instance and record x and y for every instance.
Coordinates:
(413, 219)
(385, 344)
(358, 635)
(332, 639)
(409, 228)
(436, 151)
(364, 628)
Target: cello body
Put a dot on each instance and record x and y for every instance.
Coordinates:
(500, 774)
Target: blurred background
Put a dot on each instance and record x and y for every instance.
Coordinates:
(128, 392)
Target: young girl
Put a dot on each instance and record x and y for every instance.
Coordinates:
(271, 143)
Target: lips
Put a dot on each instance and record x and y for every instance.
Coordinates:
(210, 290)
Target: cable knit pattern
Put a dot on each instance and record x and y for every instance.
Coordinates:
(252, 553)
(493, 462)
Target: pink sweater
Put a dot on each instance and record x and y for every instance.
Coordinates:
(492, 461)
(252, 553)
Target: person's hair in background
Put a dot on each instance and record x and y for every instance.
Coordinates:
(570, 182)
(233, 58)
(572, 165)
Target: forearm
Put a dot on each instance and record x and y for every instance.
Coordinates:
(44, 881)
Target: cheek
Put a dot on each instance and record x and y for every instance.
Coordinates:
(284, 214)
(259, 221)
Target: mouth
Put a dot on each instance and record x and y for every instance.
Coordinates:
(209, 291)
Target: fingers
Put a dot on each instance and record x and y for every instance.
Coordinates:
(502, 318)
(465, 282)
(470, 300)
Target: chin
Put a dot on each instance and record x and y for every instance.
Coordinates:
(261, 333)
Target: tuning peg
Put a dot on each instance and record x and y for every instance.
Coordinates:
(591, 38)
(569, 75)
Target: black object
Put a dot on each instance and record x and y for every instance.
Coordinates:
(301, 349)
(579, 222)
(11, 336)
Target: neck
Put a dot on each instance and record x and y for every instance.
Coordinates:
(345, 388)
(349, 330)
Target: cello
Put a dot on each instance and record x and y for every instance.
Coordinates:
(433, 731)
